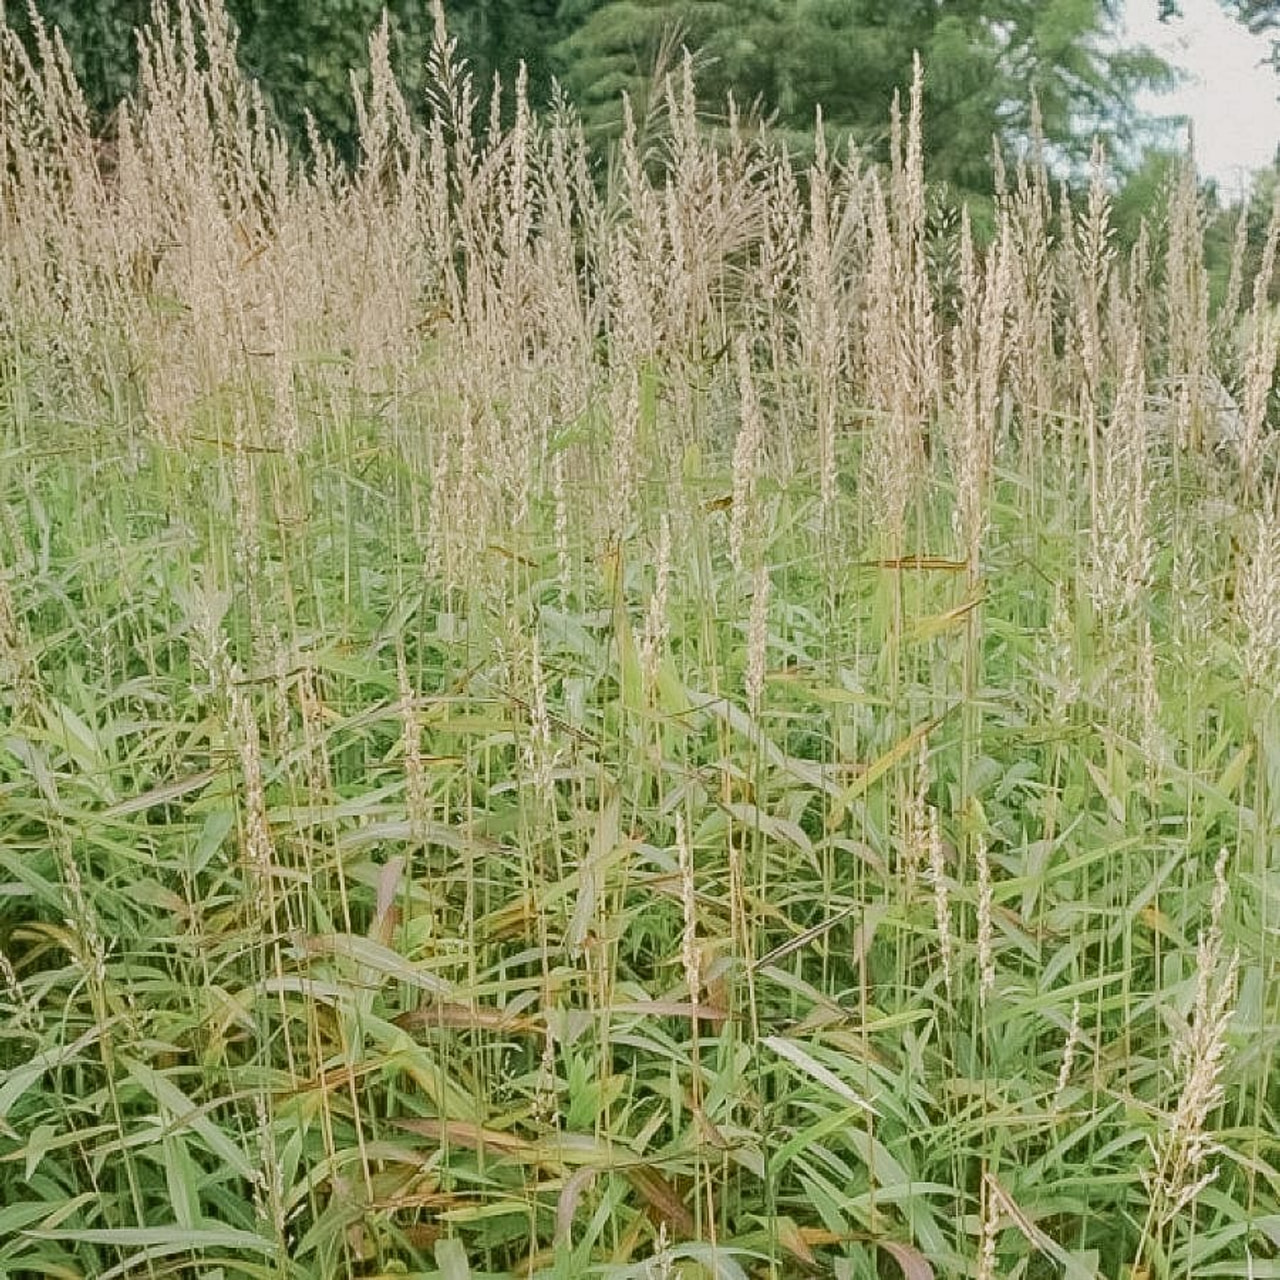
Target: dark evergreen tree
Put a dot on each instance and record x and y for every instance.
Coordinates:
(985, 61)
(615, 47)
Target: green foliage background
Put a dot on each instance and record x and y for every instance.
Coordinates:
(986, 60)
(304, 53)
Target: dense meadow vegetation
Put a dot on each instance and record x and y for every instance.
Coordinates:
(669, 715)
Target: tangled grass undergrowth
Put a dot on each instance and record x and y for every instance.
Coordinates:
(677, 719)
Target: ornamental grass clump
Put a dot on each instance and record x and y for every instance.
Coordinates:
(1183, 1144)
(652, 712)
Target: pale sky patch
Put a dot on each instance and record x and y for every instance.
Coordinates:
(1230, 94)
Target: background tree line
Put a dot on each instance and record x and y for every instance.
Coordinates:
(986, 61)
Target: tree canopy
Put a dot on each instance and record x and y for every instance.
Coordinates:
(304, 52)
(985, 60)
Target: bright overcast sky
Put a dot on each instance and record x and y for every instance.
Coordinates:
(1230, 98)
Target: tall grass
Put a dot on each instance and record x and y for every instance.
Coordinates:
(664, 717)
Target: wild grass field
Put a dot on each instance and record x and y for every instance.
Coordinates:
(668, 712)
